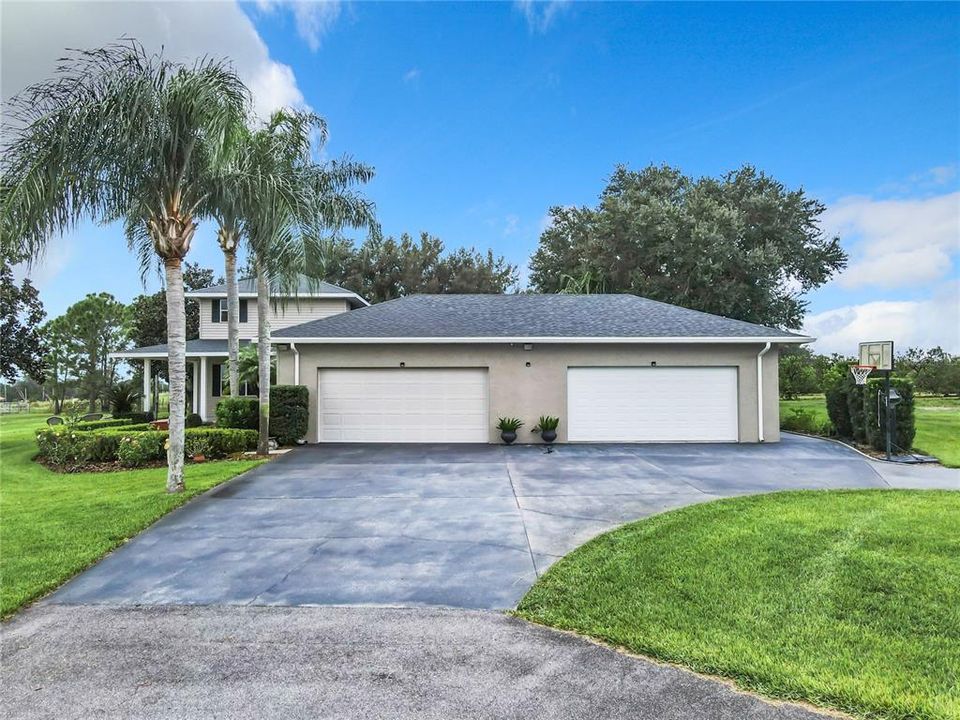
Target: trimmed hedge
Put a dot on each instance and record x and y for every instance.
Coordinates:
(136, 417)
(64, 447)
(289, 412)
(853, 411)
(905, 428)
(239, 412)
(101, 424)
(806, 421)
(193, 421)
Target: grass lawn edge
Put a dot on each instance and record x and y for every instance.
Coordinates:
(731, 682)
(766, 687)
(9, 614)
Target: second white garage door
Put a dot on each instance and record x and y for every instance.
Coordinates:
(403, 405)
(652, 404)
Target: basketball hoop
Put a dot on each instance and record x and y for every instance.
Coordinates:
(861, 372)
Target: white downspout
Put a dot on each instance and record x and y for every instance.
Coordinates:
(766, 349)
(296, 364)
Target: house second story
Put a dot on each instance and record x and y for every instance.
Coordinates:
(312, 300)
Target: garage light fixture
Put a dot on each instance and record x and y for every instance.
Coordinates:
(528, 346)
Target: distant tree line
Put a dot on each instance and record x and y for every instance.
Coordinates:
(933, 371)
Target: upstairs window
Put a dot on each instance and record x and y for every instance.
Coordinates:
(218, 310)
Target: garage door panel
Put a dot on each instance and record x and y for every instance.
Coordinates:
(403, 405)
(653, 404)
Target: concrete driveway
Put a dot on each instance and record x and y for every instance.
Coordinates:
(457, 526)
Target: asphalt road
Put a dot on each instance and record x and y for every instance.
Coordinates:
(331, 662)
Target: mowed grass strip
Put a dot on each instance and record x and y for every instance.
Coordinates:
(937, 420)
(845, 599)
(54, 525)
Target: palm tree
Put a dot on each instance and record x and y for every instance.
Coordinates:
(297, 204)
(120, 134)
(226, 197)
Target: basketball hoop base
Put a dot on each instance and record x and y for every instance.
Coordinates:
(861, 373)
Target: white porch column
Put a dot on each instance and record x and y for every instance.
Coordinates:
(196, 386)
(203, 388)
(147, 395)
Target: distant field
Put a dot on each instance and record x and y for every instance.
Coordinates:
(938, 423)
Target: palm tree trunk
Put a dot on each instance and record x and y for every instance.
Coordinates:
(263, 357)
(177, 368)
(233, 320)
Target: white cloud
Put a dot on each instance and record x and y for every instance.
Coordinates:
(909, 323)
(540, 14)
(411, 75)
(34, 36)
(511, 224)
(896, 243)
(314, 18)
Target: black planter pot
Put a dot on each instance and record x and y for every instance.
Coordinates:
(548, 435)
(508, 436)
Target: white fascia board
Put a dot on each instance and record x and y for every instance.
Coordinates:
(544, 340)
(220, 296)
(162, 355)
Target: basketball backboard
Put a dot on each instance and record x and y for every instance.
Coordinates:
(879, 354)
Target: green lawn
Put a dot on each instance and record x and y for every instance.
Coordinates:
(845, 599)
(937, 419)
(53, 525)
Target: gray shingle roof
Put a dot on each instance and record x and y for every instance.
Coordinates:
(193, 346)
(305, 286)
(527, 316)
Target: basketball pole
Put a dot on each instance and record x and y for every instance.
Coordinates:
(889, 407)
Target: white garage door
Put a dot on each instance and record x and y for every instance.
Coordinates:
(403, 405)
(652, 404)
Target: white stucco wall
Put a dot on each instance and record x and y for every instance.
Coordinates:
(516, 389)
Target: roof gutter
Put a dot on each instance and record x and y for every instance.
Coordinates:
(766, 349)
(659, 340)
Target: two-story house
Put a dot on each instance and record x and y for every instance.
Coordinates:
(444, 368)
(207, 355)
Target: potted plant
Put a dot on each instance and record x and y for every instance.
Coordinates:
(508, 428)
(547, 427)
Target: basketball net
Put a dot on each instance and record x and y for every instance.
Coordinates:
(861, 372)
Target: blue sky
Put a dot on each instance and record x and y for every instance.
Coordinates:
(479, 117)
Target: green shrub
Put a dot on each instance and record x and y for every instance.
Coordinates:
(219, 442)
(838, 408)
(875, 428)
(805, 421)
(509, 424)
(136, 417)
(139, 448)
(101, 424)
(65, 448)
(121, 397)
(289, 412)
(193, 421)
(239, 412)
(858, 429)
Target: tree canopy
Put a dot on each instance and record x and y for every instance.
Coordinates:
(84, 336)
(385, 268)
(22, 346)
(148, 313)
(742, 245)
